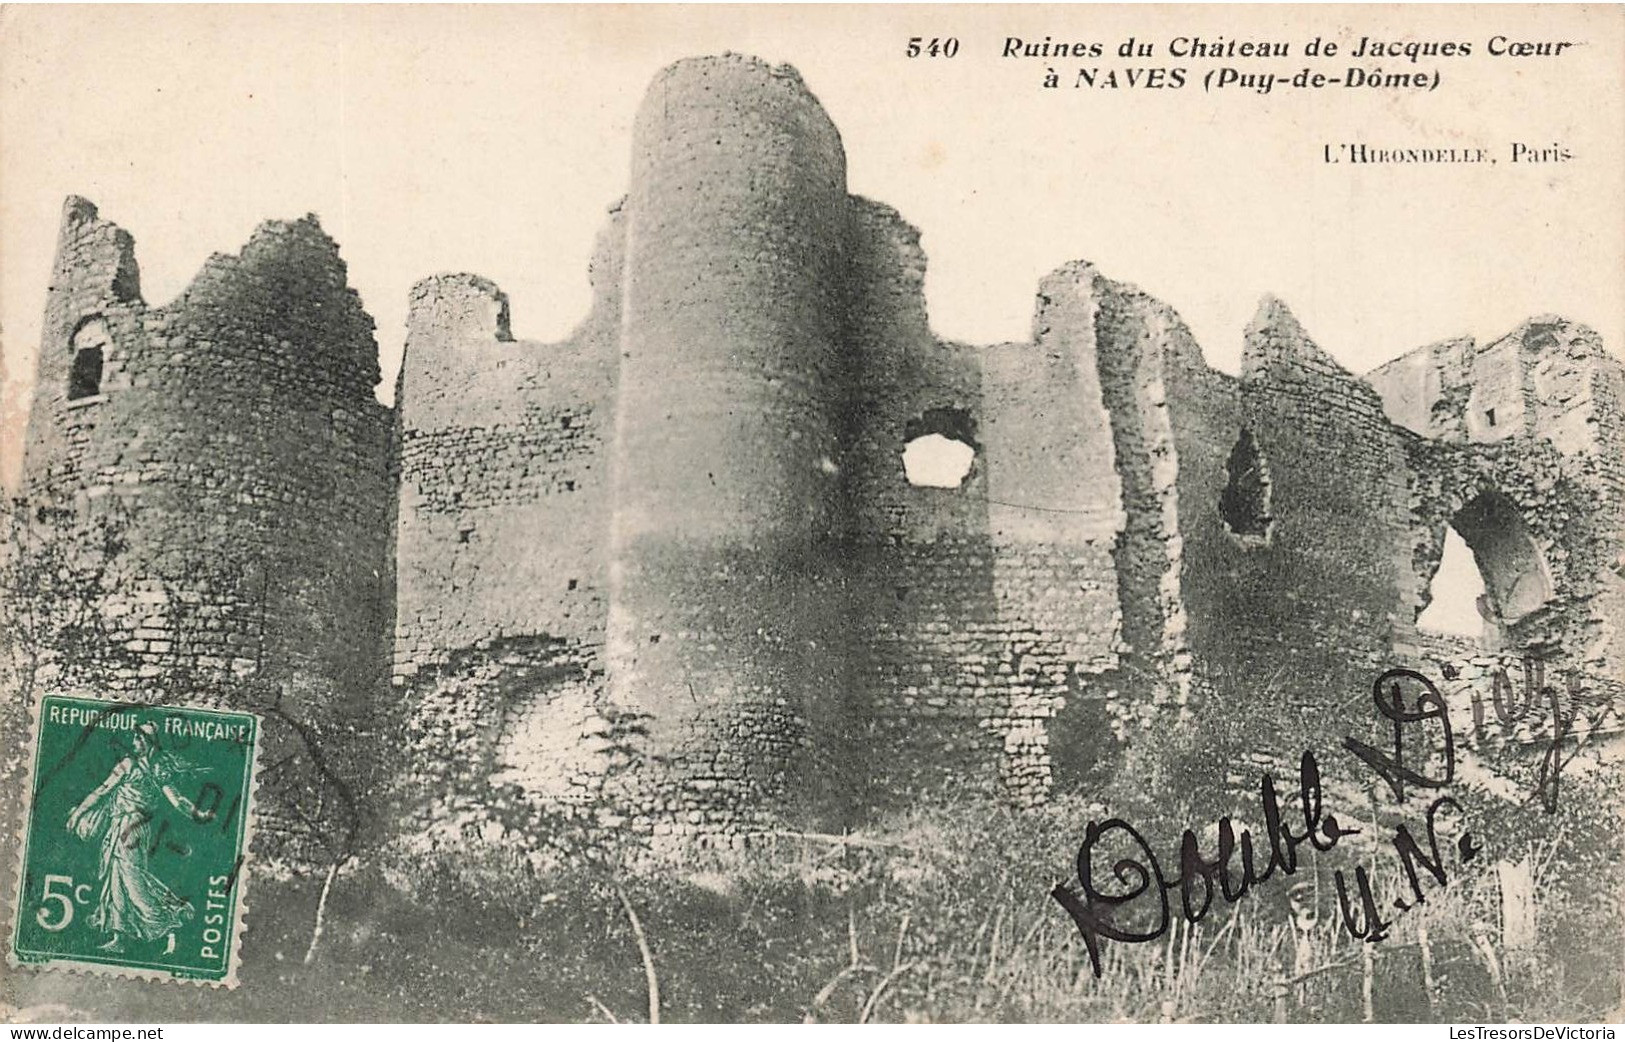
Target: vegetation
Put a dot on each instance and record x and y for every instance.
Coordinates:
(500, 912)
(940, 916)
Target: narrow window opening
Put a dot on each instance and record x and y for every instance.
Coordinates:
(1245, 503)
(88, 345)
(939, 448)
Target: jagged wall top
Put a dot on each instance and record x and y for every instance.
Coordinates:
(84, 229)
(1549, 377)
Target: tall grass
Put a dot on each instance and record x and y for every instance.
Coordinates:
(940, 915)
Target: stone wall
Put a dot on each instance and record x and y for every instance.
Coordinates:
(919, 559)
(672, 574)
(223, 496)
(1056, 512)
(500, 547)
(1536, 495)
(1293, 612)
(1142, 546)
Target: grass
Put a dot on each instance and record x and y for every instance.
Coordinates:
(934, 917)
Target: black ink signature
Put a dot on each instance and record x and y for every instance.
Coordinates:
(1145, 888)
(1098, 915)
(1371, 926)
(1510, 708)
(1430, 706)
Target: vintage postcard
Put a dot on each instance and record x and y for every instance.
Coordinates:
(799, 514)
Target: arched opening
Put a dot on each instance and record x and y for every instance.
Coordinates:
(939, 448)
(1492, 573)
(1245, 502)
(88, 344)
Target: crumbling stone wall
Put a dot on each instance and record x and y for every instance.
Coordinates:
(500, 547)
(226, 493)
(671, 575)
(1146, 357)
(978, 605)
(1141, 543)
(1520, 450)
(1302, 618)
(1054, 513)
(924, 555)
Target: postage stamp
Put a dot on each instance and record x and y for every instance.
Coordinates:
(135, 839)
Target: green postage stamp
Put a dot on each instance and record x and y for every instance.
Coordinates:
(134, 839)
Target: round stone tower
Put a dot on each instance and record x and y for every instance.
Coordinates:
(725, 620)
(207, 502)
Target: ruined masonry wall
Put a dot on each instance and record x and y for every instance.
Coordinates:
(1055, 513)
(670, 574)
(236, 455)
(1307, 617)
(502, 590)
(1555, 451)
(923, 651)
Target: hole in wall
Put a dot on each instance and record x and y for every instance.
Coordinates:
(939, 448)
(88, 344)
(1245, 502)
(1492, 573)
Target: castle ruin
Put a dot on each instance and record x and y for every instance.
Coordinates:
(671, 573)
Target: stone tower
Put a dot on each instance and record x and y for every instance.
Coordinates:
(210, 478)
(725, 616)
(674, 573)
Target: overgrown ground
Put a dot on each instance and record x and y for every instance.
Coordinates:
(940, 917)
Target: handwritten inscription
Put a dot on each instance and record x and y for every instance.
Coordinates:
(1134, 904)
(1514, 704)
(1104, 915)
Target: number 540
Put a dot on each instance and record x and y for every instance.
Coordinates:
(61, 898)
(937, 46)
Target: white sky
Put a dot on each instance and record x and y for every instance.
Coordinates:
(936, 461)
(492, 140)
(1455, 589)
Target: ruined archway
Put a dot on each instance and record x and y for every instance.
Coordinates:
(1512, 579)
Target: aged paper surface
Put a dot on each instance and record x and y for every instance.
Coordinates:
(1192, 596)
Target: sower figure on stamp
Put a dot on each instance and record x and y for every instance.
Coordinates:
(122, 814)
